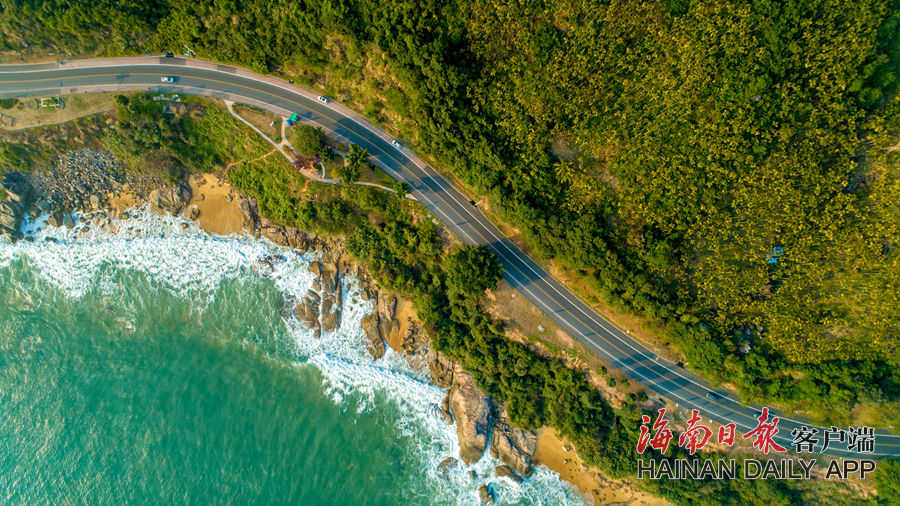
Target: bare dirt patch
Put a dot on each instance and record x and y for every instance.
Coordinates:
(265, 121)
(558, 455)
(76, 106)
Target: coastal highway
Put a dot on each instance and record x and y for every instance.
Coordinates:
(432, 190)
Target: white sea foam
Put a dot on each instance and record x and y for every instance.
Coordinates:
(192, 264)
(436, 440)
(170, 251)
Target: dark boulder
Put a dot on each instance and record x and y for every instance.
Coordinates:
(472, 411)
(504, 470)
(513, 446)
(370, 328)
(172, 198)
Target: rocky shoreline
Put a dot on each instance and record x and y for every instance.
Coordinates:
(481, 423)
(91, 182)
(84, 181)
(18, 200)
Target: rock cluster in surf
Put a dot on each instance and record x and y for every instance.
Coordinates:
(83, 180)
(482, 424)
(18, 199)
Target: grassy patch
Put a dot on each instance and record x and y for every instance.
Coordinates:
(200, 136)
(267, 122)
(196, 136)
(76, 106)
(34, 149)
(374, 175)
(216, 132)
(332, 166)
(274, 183)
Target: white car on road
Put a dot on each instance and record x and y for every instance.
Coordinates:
(397, 144)
(168, 79)
(323, 99)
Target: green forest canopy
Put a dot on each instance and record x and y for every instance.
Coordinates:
(663, 150)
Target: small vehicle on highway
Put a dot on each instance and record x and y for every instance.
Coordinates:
(713, 396)
(396, 144)
(323, 99)
(680, 364)
(168, 79)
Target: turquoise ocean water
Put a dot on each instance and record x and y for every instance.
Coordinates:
(162, 365)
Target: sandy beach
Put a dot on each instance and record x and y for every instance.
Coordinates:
(596, 488)
(213, 197)
(217, 210)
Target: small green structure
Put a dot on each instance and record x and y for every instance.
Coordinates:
(54, 102)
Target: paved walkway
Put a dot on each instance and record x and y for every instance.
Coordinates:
(288, 151)
(280, 147)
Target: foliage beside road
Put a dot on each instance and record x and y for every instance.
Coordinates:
(267, 122)
(404, 251)
(661, 151)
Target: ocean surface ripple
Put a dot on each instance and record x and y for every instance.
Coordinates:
(144, 360)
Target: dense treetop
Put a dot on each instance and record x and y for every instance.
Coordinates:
(726, 169)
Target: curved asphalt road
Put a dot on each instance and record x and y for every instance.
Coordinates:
(450, 206)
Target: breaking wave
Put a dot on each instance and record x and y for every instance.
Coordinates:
(178, 257)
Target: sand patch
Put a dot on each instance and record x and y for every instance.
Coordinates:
(597, 488)
(120, 201)
(214, 198)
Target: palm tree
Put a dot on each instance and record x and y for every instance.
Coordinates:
(566, 172)
(401, 187)
(356, 159)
